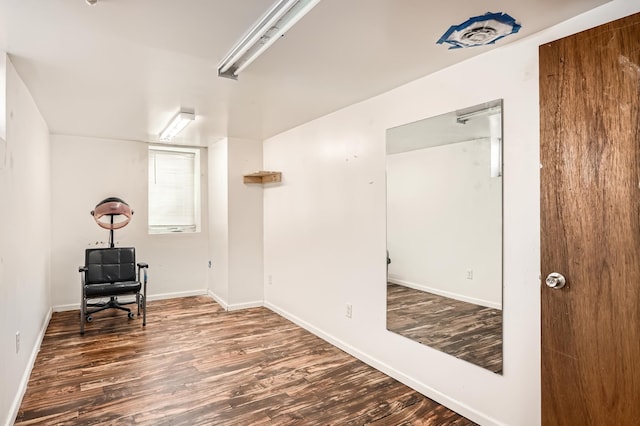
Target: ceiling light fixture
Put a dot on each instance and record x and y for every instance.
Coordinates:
(91, 2)
(277, 21)
(176, 125)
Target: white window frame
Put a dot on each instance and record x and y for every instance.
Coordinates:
(171, 228)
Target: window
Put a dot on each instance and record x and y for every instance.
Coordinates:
(174, 190)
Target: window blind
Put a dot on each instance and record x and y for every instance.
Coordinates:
(173, 190)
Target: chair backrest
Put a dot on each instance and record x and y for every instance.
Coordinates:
(110, 265)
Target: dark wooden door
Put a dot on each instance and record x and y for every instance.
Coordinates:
(590, 226)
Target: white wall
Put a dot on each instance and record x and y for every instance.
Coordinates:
(245, 225)
(3, 100)
(444, 219)
(236, 276)
(25, 226)
(85, 171)
(219, 221)
(325, 227)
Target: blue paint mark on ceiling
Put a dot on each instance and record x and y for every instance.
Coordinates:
(480, 30)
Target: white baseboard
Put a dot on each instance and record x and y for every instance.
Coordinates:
(246, 305)
(456, 296)
(226, 306)
(423, 388)
(62, 308)
(218, 299)
(234, 306)
(175, 295)
(160, 296)
(22, 388)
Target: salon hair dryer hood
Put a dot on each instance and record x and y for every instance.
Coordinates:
(112, 206)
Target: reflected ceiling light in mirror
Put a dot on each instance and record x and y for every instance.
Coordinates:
(177, 123)
(480, 30)
(465, 115)
(277, 21)
(492, 111)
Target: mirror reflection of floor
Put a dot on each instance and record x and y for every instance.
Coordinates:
(467, 331)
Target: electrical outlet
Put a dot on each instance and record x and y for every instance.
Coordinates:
(349, 311)
(17, 341)
(209, 264)
(469, 274)
(270, 280)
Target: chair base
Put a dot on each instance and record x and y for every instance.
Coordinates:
(111, 304)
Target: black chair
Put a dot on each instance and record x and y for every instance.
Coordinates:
(111, 272)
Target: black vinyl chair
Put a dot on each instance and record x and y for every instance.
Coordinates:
(111, 272)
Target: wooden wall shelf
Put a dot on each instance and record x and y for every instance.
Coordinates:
(263, 177)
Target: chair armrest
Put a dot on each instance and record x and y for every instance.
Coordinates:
(143, 267)
(83, 269)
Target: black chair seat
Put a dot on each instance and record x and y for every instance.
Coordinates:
(112, 289)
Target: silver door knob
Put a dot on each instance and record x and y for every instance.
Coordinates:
(555, 280)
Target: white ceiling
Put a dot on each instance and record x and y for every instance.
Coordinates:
(123, 68)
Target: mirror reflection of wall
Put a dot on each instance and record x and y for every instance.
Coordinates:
(444, 233)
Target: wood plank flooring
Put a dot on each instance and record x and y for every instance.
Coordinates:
(467, 331)
(195, 364)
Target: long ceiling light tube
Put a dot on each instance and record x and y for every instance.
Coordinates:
(255, 33)
(283, 15)
(177, 123)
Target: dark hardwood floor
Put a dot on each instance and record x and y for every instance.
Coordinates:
(467, 331)
(195, 364)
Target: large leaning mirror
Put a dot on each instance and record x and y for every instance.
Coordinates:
(444, 233)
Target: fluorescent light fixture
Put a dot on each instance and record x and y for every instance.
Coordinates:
(277, 21)
(176, 125)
